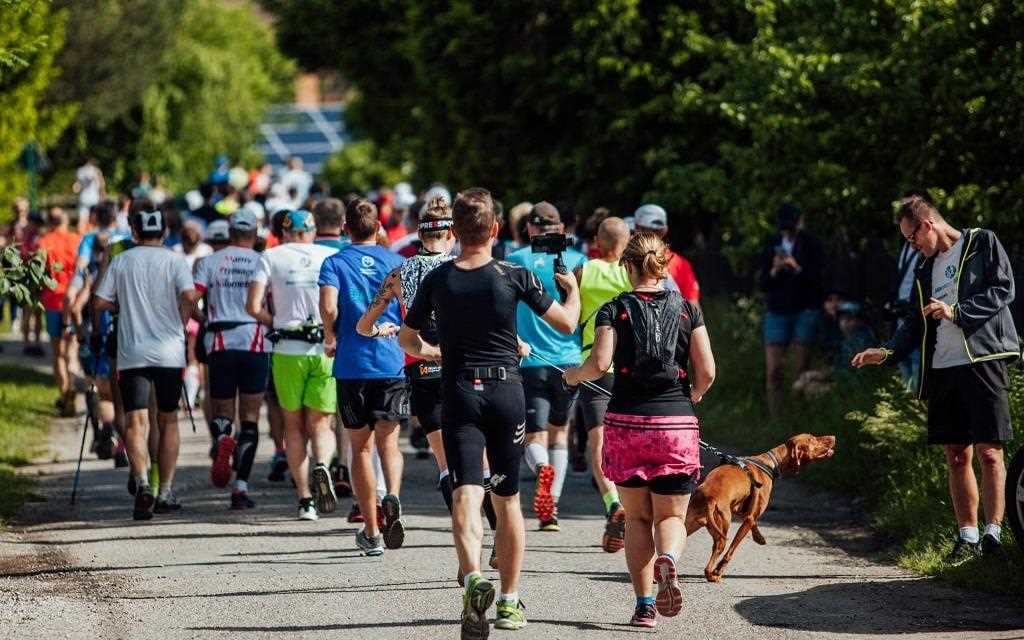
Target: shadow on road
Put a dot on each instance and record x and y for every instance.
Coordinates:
(875, 607)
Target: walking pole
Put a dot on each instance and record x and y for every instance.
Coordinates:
(188, 407)
(81, 448)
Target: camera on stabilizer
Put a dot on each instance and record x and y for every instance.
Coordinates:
(554, 244)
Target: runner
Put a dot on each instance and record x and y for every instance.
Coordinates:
(548, 402)
(473, 299)
(60, 245)
(372, 391)
(238, 360)
(600, 281)
(302, 373)
(651, 436)
(153, 291)
(435, 245)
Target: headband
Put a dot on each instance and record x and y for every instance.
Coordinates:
(432, 225)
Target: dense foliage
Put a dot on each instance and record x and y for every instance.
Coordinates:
(720, 110)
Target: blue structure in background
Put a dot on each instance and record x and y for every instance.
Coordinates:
(311, 133)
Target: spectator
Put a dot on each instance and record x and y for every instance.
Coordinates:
(23, 232)
(855, 336)
(329, 215)
(298, 180)
(651, 217)
(60, 245)
(206, 212)
(90, 187)
(791, 268)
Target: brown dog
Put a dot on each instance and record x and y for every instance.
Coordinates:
(728, 489)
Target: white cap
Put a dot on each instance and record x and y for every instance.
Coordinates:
(630, 222)
(434, 192)
(217, 230)
(651, 216)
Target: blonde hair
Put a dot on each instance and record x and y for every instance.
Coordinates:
(648, 253)
(436, 209)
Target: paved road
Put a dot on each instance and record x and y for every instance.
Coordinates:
(208, 572)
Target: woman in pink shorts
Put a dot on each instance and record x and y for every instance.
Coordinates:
(651, 433)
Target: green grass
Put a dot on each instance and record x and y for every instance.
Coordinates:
(26, 398)
(881, 455)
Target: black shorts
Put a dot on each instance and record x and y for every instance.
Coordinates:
(425, 394)
(677, 484)
(234, 371)
(135, 385)
(593, 404)
(548, 401)
(362, 403)
(487, 415)
(969, 404)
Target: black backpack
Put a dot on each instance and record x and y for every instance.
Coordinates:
(655, 325)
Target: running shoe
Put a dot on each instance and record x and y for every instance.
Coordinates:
(550, 525)
(323, 489)
(355, 515)
(120, 456)
(614, 538)
(167, 504)
(511, 615)
(307, 510)
(543, 503)
(342, 484)
(220, 471)
(393, 529)
(991, 547)
(105, 442)
(669, 600)
(369, 546)
(476, 600)
(240, 500)
(143, 505)
(644, 616)
(962, 552)
(278, 468)
(132, 484)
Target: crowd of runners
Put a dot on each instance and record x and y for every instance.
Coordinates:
(488, 348)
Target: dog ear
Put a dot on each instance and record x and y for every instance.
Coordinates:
(797, 454)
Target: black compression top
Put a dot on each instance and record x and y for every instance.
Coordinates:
(632, 396)
(476, 311)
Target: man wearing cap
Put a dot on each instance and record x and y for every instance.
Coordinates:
(302, 373)
(651, 217)
(218, 234)
(152, 289)
(238, 356)
(548, 402)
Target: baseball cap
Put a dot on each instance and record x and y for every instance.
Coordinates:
(299, 220)
(437, 191)
(243, 220)
(151, 222)
(544, 214)
(217, 231)
(651, 216)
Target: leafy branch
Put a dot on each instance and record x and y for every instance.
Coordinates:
(24, 280)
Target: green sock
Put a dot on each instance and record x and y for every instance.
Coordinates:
(154, 479)
(610, 498)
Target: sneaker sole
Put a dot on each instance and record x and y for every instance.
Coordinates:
(220, 471)
(326, 501)
(669, 601)
(312, 518)
(474, 616)
(393, 529)
(647, 624)
(614, 538)
(146, 513)
(543, 503)
(550, 528)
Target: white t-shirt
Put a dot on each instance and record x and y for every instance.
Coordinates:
(224, 277)
(950, 348)
(301, 181)
(201, 250)
(88, 178)
(146, 282)
(291, 272)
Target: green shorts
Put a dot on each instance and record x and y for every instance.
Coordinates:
(304, 381)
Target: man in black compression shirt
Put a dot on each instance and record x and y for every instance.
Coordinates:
(473, 299)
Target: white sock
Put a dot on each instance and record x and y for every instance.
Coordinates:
(969, 534)
(508, 597)
(536, 454)
(192, 384)
(165, 491)
(560, 461)
(241, 485)
(992, 530)
(441, 476)
(348, 456)
(378, 470)
(465, 578)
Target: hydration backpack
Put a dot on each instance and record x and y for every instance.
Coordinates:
(655, 325)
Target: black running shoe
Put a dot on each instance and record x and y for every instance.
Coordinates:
(342, 483)
(962, 552)
(132, 484)
(240, 500)
(393, 529)
(278, 468)
(143, 505)
(105, 443)
(323, 489)
(120, 458)
(990, 547)
(168, 504)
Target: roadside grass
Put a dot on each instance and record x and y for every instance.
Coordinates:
(882, 460)
(26, 407)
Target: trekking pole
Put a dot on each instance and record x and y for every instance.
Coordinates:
(188, 407)
(85, 428)
(597, 389)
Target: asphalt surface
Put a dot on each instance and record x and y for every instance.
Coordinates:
(91, 572)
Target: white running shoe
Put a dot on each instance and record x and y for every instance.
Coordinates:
(307, 510)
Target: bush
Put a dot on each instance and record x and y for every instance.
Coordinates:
(881, 454)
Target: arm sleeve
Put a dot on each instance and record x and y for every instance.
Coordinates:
(530, 290)
(972, 312)
(329, 275)
(906, 338)
(85, 246)
(696, 315)
(106, 288)
(262, 273)
(422, 306)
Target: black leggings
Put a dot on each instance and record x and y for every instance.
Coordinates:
(135, 385)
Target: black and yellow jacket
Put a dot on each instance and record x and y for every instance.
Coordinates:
(984, 292)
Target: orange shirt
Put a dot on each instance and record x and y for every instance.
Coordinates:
(61, 247)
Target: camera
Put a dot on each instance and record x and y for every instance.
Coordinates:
(554, 244)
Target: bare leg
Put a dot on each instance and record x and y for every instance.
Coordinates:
(639, 538)
(386, 434)
(318, 429)
(669, 524)
(137, 441)
(170, 444)
(963, 486)
(275, 417)
(802, 355)
(993, 479)
(298, 459)
(468, 527)
(364, 481)
(511, 542)
(437, 448)
(773, 362)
